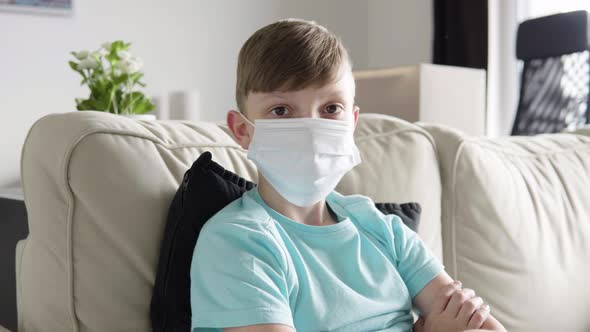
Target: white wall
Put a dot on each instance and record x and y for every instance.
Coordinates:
(400, 32)
(185, 44)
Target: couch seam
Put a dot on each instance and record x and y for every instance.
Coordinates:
(22, 154)
(69, 225)
(453, 209)
(395, 132)
(484, 145)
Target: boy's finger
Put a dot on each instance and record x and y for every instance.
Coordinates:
(479, 317)
(419, 325)
(443, 296)
(457, 300)
(469, 308)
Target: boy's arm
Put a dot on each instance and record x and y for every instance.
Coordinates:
(440, 290)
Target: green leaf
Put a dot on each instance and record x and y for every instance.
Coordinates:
(100, 85)
(112, 57)
(102, 104)
(99, 98)
(136, 96)
(121, 79)
(118, 99)
(136, 103)
(74, 65)
(111, 101)
(85, 105)
(143, 106)
(117, 46)
(135, 77)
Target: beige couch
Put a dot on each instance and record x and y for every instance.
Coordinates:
(511, 215)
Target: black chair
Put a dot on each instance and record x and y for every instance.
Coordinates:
(555, 80)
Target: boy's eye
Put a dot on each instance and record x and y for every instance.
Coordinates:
(279, 111)
(334, 109)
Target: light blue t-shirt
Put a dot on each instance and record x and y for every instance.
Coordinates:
(252, 265)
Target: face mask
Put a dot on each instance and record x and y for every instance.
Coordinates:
(303, 158)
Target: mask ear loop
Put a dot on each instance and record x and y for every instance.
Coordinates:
(246, 119)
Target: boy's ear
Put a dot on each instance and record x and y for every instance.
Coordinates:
(240, 129)
(355, 113)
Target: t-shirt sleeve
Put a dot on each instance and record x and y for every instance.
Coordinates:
(238, 278)
(416, 264)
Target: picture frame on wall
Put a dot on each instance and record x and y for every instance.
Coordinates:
(52, 7)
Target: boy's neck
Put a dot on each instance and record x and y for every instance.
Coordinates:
(314, 215)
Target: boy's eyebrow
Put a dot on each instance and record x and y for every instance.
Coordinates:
(336, 93)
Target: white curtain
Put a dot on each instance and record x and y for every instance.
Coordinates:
(503, 67)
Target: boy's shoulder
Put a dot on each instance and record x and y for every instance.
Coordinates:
(243, 228)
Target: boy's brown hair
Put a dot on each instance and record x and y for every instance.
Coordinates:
(288, 55)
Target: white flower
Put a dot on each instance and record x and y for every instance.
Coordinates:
(81, 55)
(124, 55)
(106, 46)
(129, 66)
(101, 52)
(88, 63)
(138, 61)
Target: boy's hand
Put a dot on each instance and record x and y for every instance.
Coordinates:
(462, 311)
(444, 310)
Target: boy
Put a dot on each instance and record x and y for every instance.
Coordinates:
(292, 254)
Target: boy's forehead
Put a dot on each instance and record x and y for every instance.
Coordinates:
(343, 86)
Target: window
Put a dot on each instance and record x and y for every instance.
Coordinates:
(537, 8)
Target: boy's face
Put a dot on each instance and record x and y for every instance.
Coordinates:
(334, 101)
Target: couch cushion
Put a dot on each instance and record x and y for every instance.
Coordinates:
(516, 225)
(98, 187)
(399, 165)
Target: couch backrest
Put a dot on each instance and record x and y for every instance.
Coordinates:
(516, 225)
(97, 188)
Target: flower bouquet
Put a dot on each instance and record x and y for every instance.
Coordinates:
(112, 74)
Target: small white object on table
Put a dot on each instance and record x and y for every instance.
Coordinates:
(15, 193)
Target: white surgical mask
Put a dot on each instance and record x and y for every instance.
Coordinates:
(303, 158)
